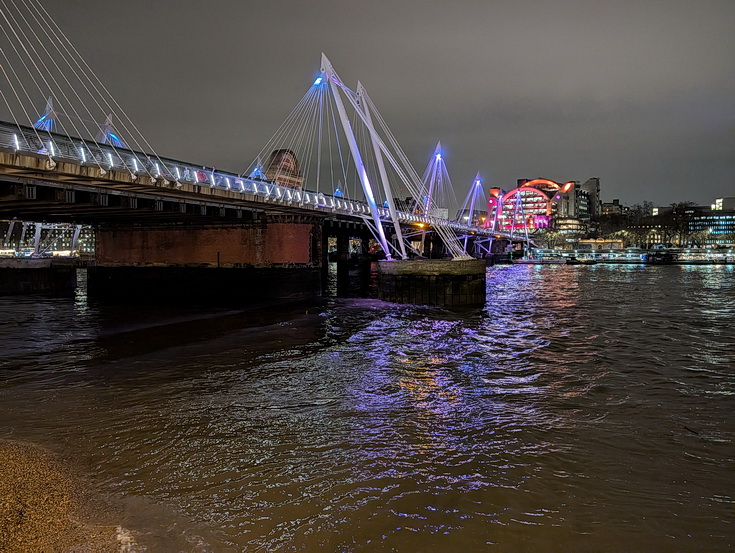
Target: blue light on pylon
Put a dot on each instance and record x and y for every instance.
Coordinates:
(318, 81)
(44, 123)
(438, 157)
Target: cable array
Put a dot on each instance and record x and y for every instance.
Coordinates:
(78, 106)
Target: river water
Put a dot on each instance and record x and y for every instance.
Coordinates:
(584, 409)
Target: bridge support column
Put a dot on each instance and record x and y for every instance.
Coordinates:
(343, 264)
(352, 267)
(433, 282)
(273, 258)
(28, 276)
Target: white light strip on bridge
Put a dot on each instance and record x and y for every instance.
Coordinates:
(270, 192)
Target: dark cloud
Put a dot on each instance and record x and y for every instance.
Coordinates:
(640, 93)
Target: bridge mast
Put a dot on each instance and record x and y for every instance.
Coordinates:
(436, 177)
(477, 183)
(362, 94)
(331, 76)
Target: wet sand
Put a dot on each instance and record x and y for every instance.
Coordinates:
(43, 508)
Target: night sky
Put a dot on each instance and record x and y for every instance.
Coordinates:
(639, 93)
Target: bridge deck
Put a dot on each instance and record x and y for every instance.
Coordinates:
(99, 170)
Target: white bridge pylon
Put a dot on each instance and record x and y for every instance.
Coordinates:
(362, 94)
(332, 120)
(331, 76)
(406, 175)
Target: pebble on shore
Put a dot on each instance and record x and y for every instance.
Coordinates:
(41, 507)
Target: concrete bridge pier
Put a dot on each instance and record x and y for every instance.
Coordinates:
(55, 276)
(352, 267)
(268, 258)
(433, 246)
(343, 264)
(445, 282)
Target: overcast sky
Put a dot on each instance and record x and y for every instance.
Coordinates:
(640, 93)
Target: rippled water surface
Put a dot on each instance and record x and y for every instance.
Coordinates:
(584, 409)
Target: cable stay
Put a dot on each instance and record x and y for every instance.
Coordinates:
(43, 66)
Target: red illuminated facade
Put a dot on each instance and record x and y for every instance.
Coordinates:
(531, 205)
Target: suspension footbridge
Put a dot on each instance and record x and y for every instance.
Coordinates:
(334, 163)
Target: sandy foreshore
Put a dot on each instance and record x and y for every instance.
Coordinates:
(42, 507)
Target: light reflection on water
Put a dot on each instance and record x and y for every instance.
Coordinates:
(583, 409)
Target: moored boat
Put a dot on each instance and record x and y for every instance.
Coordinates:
(548, 261)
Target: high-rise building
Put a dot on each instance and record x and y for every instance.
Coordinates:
(591, 187)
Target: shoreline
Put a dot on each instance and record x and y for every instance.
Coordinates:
(43, 507)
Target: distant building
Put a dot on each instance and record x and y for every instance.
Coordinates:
(478, 217)
(283, 169)
(703, 226)
(439, 212)
(590, 188)
(409, 205)
(724, 204)
(613, 208)
(531, 205)
(570, 225)
(715, 225)
(600, 244)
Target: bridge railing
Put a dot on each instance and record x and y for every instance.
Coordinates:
(85, 152)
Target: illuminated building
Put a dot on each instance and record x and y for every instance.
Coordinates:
(715, 225)
(692, 225)
(531, 205)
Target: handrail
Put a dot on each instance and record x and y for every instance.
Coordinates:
(89, 153)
